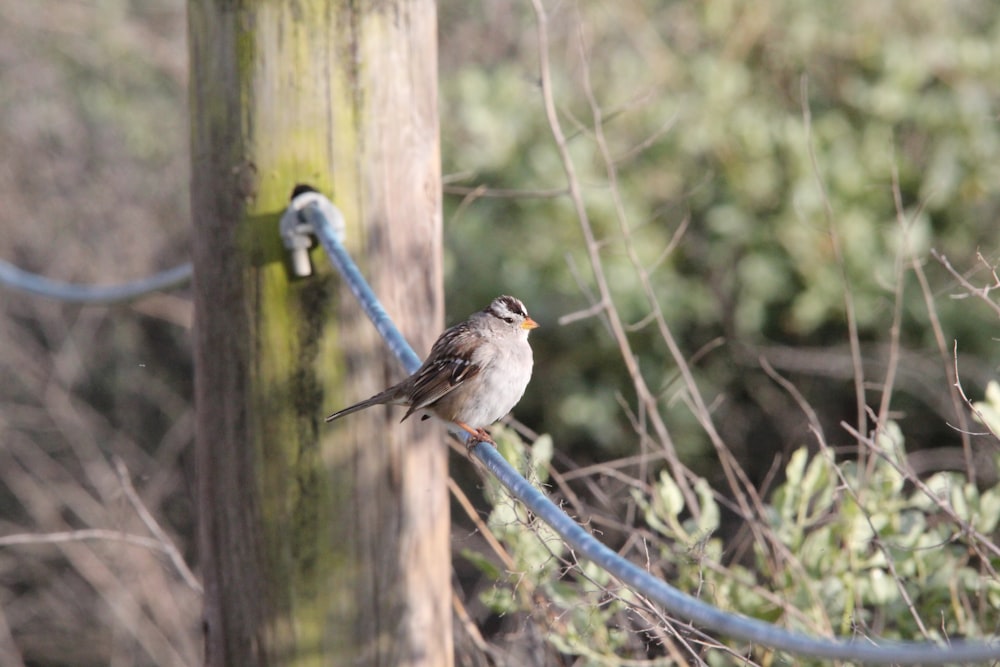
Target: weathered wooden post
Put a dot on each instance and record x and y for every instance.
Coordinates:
(318, 544)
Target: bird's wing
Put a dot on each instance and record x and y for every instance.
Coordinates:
(448, 366)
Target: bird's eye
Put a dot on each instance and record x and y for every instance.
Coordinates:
(509, 320)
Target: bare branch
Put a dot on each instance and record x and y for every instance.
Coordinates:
(979, 292)
(82, 535)
(164, 540)
(614, 321)
(852, 320)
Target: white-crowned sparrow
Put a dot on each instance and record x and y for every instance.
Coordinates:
(476, 372)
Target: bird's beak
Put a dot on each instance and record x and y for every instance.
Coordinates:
(529, 324)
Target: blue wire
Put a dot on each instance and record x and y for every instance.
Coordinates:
(674, 601)
(25, 281)
(703, 614)
(341, 260)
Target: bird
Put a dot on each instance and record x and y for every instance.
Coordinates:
(476, 372)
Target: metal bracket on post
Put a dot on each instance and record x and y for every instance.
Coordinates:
(326, 223)
(297, 230)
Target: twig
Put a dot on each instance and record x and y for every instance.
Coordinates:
(966, 527)
(596, 309)
(897, 311)
(875, 538)
(167, 544)
(613, 319)
(951, 371)
(483, 191)
(980, 292)
(82, 535)
(957, 386)
(852, 321)
(741, 486)
(484, 530)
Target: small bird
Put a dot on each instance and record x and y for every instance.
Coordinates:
(476, 372)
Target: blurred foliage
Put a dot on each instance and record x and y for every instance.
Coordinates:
(988, 411)
(582, 619)
(703, 109)
(94, 171)
(857, 539)
(93, 129)
(847, 550)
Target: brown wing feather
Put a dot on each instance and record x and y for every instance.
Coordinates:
(447, 366)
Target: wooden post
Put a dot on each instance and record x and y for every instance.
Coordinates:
(318, 544)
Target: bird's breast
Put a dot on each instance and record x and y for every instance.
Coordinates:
(505, 380)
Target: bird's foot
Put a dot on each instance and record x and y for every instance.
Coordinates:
(481, 435)
(477, 435)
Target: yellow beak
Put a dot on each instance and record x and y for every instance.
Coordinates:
(529, 324)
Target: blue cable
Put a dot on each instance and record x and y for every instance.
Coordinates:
(327, 233)
(26, 281)
(703, 614)
(327, 224)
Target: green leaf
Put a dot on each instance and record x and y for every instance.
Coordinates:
(669, 496)
(482, 563)
(988, 411)
(708, 521)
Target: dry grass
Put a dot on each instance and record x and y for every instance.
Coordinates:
(93, 177)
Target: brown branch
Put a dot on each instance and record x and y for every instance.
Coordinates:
(82, 535)
(852, 320)
(645, 396)
(151, 524)
(980, 292)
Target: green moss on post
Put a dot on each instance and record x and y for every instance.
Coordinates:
(318, 545)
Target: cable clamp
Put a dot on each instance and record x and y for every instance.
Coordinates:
(298, 225)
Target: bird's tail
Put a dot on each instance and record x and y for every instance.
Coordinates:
(390, 396)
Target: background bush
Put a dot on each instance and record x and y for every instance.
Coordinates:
(703, 106)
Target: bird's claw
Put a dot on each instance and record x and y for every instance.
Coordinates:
(477, 436)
